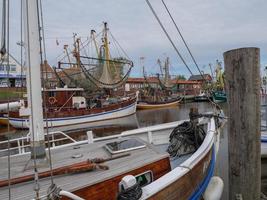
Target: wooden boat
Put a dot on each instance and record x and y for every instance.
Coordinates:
(158, 97)
(153, 105)
(219, 95)
(114, 167)
(185, 177)
(67, 106)
(12, 106)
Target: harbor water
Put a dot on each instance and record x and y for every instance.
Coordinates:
(145, 118)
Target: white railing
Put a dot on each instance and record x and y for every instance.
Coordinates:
(150, 134)
(22, 144)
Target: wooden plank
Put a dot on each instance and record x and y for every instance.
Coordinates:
(242, 69)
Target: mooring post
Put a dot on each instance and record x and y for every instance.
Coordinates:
(242, 72)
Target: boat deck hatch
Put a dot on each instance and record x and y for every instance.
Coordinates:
(124, 145)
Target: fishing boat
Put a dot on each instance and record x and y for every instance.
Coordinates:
(264, 128)
(68, 106)
(263, 144)
(158, 97)
(158, 162)
(153, 105)
(219, 95)
(134, 162)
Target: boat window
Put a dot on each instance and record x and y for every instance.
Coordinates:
(144, 178)
(124, 145)
(51, 94)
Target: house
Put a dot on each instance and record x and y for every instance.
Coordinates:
(12, 73)
(183, 87)
(48, 75)
(201, 78)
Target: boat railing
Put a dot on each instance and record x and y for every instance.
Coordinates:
(22, 145)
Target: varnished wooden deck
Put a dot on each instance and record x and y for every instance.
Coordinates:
(74, 182)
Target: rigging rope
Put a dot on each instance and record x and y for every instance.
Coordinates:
(178, 30)
(168, 36)
(166, 33)
(6, 48)
(116, 42)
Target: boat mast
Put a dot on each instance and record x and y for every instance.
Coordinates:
(94, 39)
(33, 63)
(106, 42)
(67, 53)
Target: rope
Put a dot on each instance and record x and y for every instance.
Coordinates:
(132, 193)
(21, 48)
(6, 39)
(185, 138)
(178, 30)
(119, 45)
(168, 36)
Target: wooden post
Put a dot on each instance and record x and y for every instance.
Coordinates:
(242, 70)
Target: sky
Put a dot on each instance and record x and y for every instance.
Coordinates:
(209, 27)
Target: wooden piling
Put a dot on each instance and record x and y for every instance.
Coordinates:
(242, 72)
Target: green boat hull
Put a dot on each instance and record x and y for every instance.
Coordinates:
(219, 97)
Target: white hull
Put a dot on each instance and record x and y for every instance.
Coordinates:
(66, 121)
(264, 145)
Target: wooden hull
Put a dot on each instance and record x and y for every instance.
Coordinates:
(143, 106)
(77, 117)
(192, 184)
(100, 191)
(3, 121)
(187, 181)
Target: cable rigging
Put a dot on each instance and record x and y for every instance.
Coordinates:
(178, 30)
(168, 36)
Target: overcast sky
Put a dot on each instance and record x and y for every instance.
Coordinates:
(209, 27)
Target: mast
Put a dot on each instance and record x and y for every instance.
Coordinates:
(94, 39)
(106, 74)
(106, 41)
(167, 73)
(33, 63)
(67, 53)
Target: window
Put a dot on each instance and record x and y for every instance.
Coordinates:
(145, 178)
(51, 94)
(124, 145)
(2, 68)
(13, 68)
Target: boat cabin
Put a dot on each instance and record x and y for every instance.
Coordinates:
(65, 97)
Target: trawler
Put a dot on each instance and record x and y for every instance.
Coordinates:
(66, 106)
(169, 161)
(158, 97)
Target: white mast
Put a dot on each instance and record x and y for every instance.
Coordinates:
(33, 63)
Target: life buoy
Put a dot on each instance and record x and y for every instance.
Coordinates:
(52, 100)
